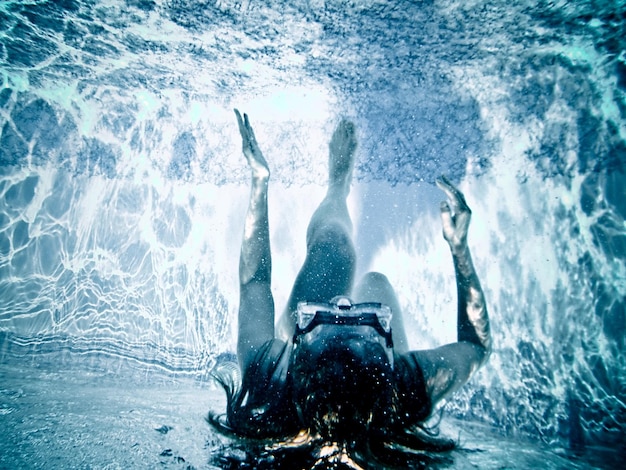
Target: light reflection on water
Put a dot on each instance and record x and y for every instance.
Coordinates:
(123, 188)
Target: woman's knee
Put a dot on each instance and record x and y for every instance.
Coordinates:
(373, 281)
(374, 287)
(375, 278)
(334, 243)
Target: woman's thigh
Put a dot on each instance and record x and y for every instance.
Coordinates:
(328, 271)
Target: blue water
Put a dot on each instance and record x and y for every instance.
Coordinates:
(123, 190)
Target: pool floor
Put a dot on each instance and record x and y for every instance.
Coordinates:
(110, 418)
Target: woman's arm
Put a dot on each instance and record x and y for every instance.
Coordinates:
(447, 368)
(473, 321)
(256, 303)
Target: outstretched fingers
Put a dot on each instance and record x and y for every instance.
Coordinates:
(251, 149)
(455, 214)
(239, 121)
(454, 194)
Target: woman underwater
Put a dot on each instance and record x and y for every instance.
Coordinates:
(335, 375)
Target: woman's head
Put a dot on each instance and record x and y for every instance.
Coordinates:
(344, 390)
(342, 383)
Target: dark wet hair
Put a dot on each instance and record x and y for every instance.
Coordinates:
(342, 390)
(341, 394)
(258, 406)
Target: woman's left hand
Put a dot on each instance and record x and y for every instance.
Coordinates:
(251, 149)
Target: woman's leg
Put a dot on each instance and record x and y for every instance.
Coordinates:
(328, 269)
(375, 287)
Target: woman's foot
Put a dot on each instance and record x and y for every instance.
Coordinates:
(341, 157)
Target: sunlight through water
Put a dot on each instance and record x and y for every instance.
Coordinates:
(123, 188)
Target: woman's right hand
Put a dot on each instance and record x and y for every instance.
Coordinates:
(455, 219)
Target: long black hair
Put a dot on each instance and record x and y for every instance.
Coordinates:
(339, 408)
